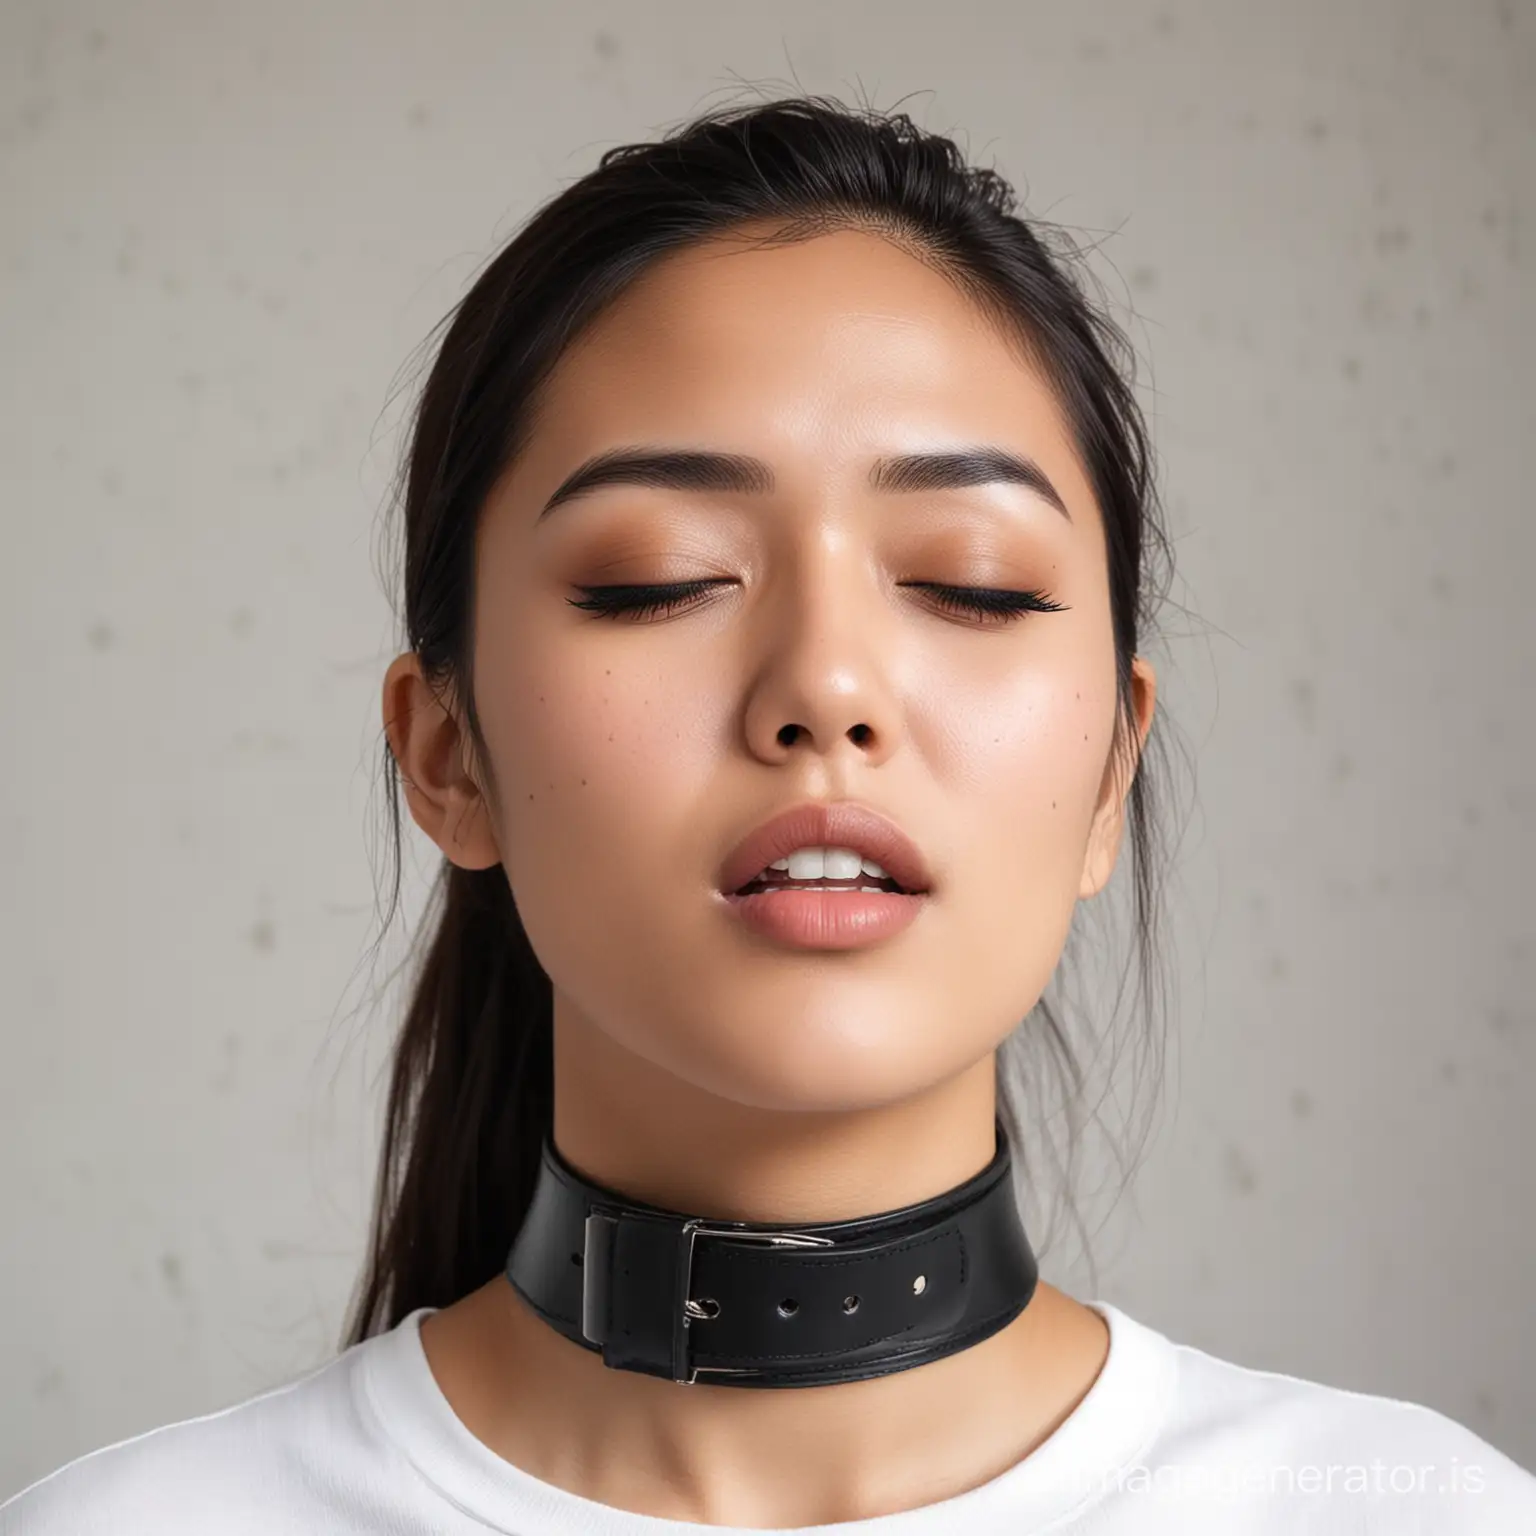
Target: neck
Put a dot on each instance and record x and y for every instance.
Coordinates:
(659, 1139)
(714, 1455)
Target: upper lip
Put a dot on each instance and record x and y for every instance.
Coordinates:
(823, 824)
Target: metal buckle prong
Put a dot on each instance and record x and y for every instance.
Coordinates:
(686, 1307)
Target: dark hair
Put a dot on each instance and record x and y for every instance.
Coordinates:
(471, 1091)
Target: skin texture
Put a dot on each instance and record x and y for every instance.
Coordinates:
(697, 1065)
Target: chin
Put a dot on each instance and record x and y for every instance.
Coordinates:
(843, 1057)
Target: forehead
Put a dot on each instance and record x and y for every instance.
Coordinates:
(816, 355)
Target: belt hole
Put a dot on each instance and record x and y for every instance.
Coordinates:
(920, 1285)
(850, 1303)
(788, 1307)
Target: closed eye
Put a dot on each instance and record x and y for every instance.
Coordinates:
(990, 604)
(995, 603)
(611, 602)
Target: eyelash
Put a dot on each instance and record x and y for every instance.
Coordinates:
(994, 605)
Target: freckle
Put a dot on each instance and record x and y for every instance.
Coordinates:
(583, 783)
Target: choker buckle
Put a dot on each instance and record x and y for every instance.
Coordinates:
(597, 1253)
(685, 1308)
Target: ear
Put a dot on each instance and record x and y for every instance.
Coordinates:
(1108, 826)
(431, 751)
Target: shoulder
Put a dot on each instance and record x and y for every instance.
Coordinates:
(1304, 1440)
(247, 1468)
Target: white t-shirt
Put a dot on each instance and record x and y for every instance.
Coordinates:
(1167, 1439)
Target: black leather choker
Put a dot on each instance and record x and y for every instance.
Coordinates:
(748, 1304)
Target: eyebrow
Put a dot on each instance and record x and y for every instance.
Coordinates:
(706, 470)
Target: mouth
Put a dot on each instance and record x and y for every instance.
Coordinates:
(780, 880)
(869, 906)
(861, 850)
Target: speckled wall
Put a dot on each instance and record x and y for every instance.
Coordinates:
(224, 230)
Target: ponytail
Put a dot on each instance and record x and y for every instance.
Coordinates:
(471, 1097)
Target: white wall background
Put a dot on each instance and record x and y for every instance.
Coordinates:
(224, 227)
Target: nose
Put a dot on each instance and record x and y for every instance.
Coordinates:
(823, 683)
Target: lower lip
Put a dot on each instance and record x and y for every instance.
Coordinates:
(827, 919)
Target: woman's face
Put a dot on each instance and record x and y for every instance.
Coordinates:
(631, 754)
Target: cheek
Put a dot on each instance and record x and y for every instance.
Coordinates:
(599, 750)
(604, 760)
(1039, 759)
(1020, 750)
(1023, 763)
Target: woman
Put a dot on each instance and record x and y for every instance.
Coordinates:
(780, 528)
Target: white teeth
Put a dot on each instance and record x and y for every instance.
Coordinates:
(829, 864)
(807, 863)
(843, 864)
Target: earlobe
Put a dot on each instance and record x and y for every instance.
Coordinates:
(457, 822)
(1108, 829)
(1103, 851)
(426, 742)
